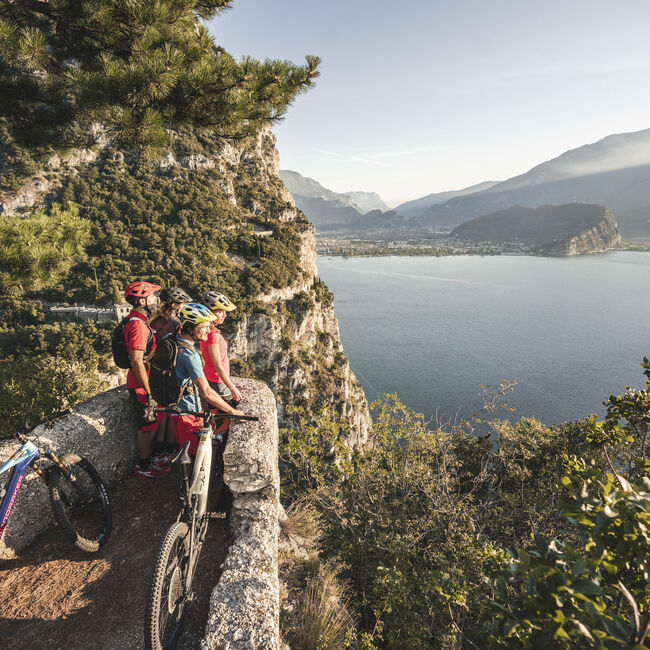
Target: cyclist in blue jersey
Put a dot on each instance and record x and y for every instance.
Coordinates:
(195, 327)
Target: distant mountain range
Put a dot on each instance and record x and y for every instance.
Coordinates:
(326, 208)
(613, 172)
(418, 207)
(368, 201)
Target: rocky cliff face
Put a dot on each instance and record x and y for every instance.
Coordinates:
(286, 332)
(292, 339)
(604, 236)
(569, 229)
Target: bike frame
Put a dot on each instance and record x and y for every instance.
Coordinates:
(202, 467)
(19, 462)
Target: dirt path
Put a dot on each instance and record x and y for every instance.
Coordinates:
(54, 596)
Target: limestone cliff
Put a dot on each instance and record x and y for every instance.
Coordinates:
(602, 237)
(570, 229)
(210, 214)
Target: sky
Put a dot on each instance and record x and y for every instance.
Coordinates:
(423, 96)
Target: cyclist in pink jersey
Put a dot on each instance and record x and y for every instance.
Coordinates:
(215, 349)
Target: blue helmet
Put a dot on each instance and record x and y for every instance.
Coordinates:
(196, 313)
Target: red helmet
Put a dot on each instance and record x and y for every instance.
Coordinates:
(139, 289)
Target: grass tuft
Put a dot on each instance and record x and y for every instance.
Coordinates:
(326, 624)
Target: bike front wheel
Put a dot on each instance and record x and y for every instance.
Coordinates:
(80, 503)
(167, 597)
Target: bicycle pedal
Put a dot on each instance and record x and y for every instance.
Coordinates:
(217, 515)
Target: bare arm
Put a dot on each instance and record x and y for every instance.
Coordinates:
(212, 397)
(139, 370)
(215, 357)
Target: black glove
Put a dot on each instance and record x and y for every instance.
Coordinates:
(150, 415)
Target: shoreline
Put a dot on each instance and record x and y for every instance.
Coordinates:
(359, 250)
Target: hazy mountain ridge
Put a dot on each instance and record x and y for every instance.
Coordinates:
(308, 188)
(614, 172)
(324, 214)
(368, 201)
(418, 207)
(551, 229)
(327, 209)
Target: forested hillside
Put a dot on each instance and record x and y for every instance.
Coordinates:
(159, 157)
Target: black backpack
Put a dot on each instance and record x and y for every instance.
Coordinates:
(118, 343)
(163, 382)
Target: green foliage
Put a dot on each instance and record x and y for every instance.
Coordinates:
(398, 520)
(526, 462)
(312, 454)
(30, 390)
(421, 520)
(173, 227)
(17, 161)
(38, 251)
(138, 68)
(593, 594)
(58, 367)
(590, 586)
(18, 312)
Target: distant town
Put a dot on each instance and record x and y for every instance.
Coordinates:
(377, 245)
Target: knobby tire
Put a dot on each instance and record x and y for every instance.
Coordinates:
(166, 604)
(86, 524)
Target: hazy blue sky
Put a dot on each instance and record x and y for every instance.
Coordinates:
(424, 96)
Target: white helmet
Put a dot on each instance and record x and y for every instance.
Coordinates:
(217, 301)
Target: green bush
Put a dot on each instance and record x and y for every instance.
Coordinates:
(31, 389)
(38, 251)
(421, 521)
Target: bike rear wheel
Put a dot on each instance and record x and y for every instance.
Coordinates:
(166, 600)
(5, 482)
(86, 522)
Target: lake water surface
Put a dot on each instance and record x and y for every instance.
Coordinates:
(571, 331)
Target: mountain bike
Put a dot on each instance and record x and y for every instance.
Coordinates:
(77, 494)
(170, 589)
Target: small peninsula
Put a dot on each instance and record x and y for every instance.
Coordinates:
(571, 229)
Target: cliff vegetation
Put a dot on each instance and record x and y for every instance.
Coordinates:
(529, 536)
(137, 148)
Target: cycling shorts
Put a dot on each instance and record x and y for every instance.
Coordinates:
(187, 427)
(222, 390)
(139, 399)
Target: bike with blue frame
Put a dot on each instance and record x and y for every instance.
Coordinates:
(78, 495)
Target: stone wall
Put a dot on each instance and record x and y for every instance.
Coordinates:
(244, 607)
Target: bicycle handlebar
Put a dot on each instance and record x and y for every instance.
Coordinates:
(26, 427)
(207, 415)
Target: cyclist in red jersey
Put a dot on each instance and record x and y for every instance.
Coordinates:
(140, 344)
(215, 349)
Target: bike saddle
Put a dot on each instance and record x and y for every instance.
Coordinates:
(181, 455)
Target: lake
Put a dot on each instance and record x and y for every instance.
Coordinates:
(570, 331)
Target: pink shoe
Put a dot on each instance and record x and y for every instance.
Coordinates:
(160, 461)
(153, 471)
